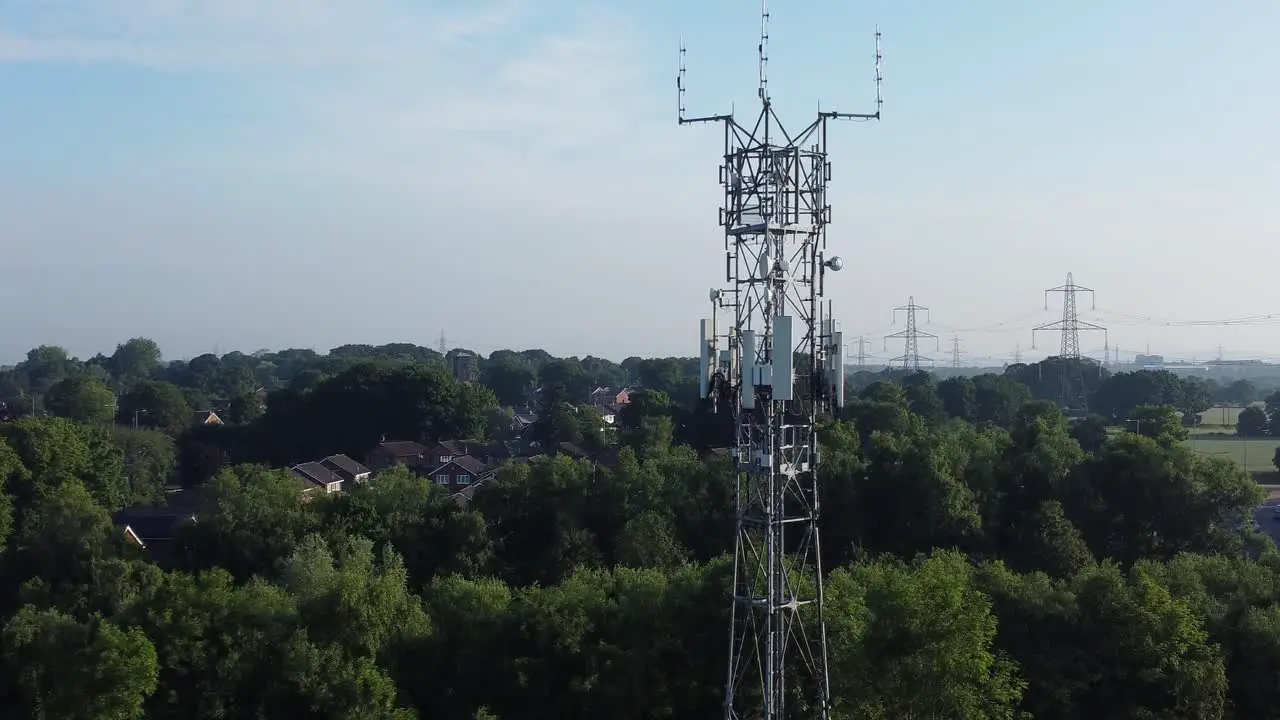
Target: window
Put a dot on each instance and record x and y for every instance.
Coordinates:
(335, 487)
(445, 459)
(442, 479)
(462, 479)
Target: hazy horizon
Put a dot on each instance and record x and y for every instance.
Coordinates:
(243, 175)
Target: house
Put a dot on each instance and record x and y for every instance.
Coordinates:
(603, 397)
(205, 417)
(460, 472)
(316, 478)
(154, 529)
(349, 470)
(403, 452)
(608, 413)
(575, 451)
(522, 421)
(464, 496)
(489, 453)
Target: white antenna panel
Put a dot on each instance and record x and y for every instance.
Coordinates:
(836, 358)
(706, 355)
(783, 357)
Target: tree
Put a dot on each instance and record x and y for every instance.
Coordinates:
(1100, 645)
(54, 452)
(998, 399)
(573, 381)
(1252, 422)
(258, 517)
(150, 460)
(1161, 423)
(1239, 393)
(916, 642)
(245, 408)
(45, 366)
(509, 378)
(1168, 501)
(355, 599)
(135, 360)
(82, 399)
(648, 540)
(155, 404)
(1091, 432)
(204, 373)
(959, 397)
(61, 668)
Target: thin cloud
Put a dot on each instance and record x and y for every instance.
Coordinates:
(242, 34)
(445, 99)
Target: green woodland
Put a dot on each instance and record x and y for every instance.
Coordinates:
(987, 554)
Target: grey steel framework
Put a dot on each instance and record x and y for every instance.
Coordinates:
(910, 357)
(777, 366)
(1070, 325)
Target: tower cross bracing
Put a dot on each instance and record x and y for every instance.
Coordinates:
(772, 356)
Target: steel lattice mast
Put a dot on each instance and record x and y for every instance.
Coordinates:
(778, 366)
(910, 357)
(1070, 325)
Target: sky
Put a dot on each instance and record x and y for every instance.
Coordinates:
(241, 174)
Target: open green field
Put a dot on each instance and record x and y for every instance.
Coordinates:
(1220, 416)
(1255, 454)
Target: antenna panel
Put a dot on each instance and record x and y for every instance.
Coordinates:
(836, 360)
(783, 358)
(748, 369)
(706, 355)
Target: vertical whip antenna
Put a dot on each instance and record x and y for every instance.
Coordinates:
(680, 84)
(879, 75)
(763, 51)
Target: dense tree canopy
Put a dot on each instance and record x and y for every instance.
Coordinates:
(987, 554)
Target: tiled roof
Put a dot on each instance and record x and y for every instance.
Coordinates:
(152, 523)
(316, 473)
(573, 450)
(344, 466)
(403, 448)
(467, 463)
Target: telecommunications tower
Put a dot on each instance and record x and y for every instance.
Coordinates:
(776, 361)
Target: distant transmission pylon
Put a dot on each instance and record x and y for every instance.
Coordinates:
(1070, 325)
(444, 345)
(955, 351)
(910, 357)
(777, 372)
(862, 352)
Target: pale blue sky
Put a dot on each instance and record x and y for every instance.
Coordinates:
(237, 174)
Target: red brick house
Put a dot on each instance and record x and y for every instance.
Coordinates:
(405, 452)
(445, 450)
(460, 472)
(205, 417)
(603, 397)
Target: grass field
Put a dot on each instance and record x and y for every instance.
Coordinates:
(1255, 454)
(1220, 416)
